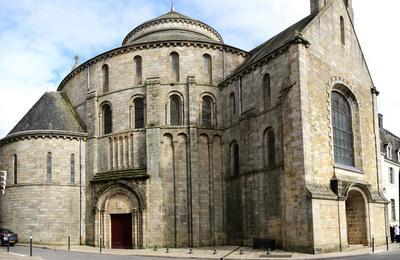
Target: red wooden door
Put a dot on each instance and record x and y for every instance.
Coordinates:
(121, 231)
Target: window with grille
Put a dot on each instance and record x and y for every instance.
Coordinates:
(342, 130)
(107, 114)
(207, 105)
(175, 110)
(139, 113)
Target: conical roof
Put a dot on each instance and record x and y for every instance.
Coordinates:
(172, 26)
(51, 112)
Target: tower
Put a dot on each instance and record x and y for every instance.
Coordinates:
(318, 5)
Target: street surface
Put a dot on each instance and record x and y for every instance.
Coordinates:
(56, 254)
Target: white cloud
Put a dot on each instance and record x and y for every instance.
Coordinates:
(39, 39)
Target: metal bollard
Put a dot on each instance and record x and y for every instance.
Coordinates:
(241, 251)
(387, 243)
(167, 251)
(30, 245)
(215, 252)
(100, 244)
(8, 244)
(373, 245)
(155, 248)
(69, 242)
(190, 251)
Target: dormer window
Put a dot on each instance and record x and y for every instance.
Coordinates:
(389, 151)
(398, 155)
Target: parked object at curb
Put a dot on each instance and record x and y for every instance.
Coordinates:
(7, 236)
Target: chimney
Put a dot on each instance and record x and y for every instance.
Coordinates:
(380, 120)
(317, 5)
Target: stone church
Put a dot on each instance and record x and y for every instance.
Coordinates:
(176, 139)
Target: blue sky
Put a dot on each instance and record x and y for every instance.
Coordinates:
(39, 39)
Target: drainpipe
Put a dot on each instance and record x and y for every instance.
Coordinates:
(80, 191)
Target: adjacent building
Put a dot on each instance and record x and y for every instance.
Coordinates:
(177, 139)
(390, 157)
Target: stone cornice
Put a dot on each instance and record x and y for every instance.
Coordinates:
(169, 20)
(297, 39)
(141, 46)
(37, 134)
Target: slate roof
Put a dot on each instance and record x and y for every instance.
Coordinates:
(276, 42)
(170, 34)
(386, 138)
(51, 112)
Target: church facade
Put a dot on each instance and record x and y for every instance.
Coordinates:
(176, 139)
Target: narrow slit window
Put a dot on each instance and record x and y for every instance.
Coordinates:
(107, 124)
(105, 78)
(207, 64)
(15, 158)
(342, 31)
(175, 110)
(49, 167)
(72, 170)
(207, 107)
(138, 66)
(175, 66)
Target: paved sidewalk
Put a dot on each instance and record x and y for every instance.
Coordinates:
(12, 256)
(225, 252)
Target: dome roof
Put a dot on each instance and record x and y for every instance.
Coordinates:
(172, 26)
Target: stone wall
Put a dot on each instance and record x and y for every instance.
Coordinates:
(47, 210)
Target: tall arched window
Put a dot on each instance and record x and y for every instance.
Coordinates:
(107, 119)
(207, 66)
(342, 31)
(15, 162)
(267, 88)
(175, 66)
(175, 107)
(269, 148)
(232, 104)
(207, 111)
(139, 112)
(49, 166)
(235, 159)
(342, 130)
(138, 66)
(105, 78)
(72, 168)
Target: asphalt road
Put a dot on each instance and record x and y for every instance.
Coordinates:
(53, 254)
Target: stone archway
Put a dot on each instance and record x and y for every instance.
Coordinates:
(119, 217)
(356, 216)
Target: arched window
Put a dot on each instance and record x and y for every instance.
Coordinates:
(15, 162)
(269, 148)
(235, 159)
(175, 66)
(389, 151)
(175, 106)
(49, 166)
(342, 31)
(105, 78)
(232, 103)
(342, 130)
(139, 112)
(107, 119)
(207, 111)
(72, 168)
(267, 88)
(207, 65)
(138, 66)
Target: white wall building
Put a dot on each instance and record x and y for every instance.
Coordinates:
(390, 161)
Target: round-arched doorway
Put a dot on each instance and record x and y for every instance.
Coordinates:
(356, 218)
(120, 218)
